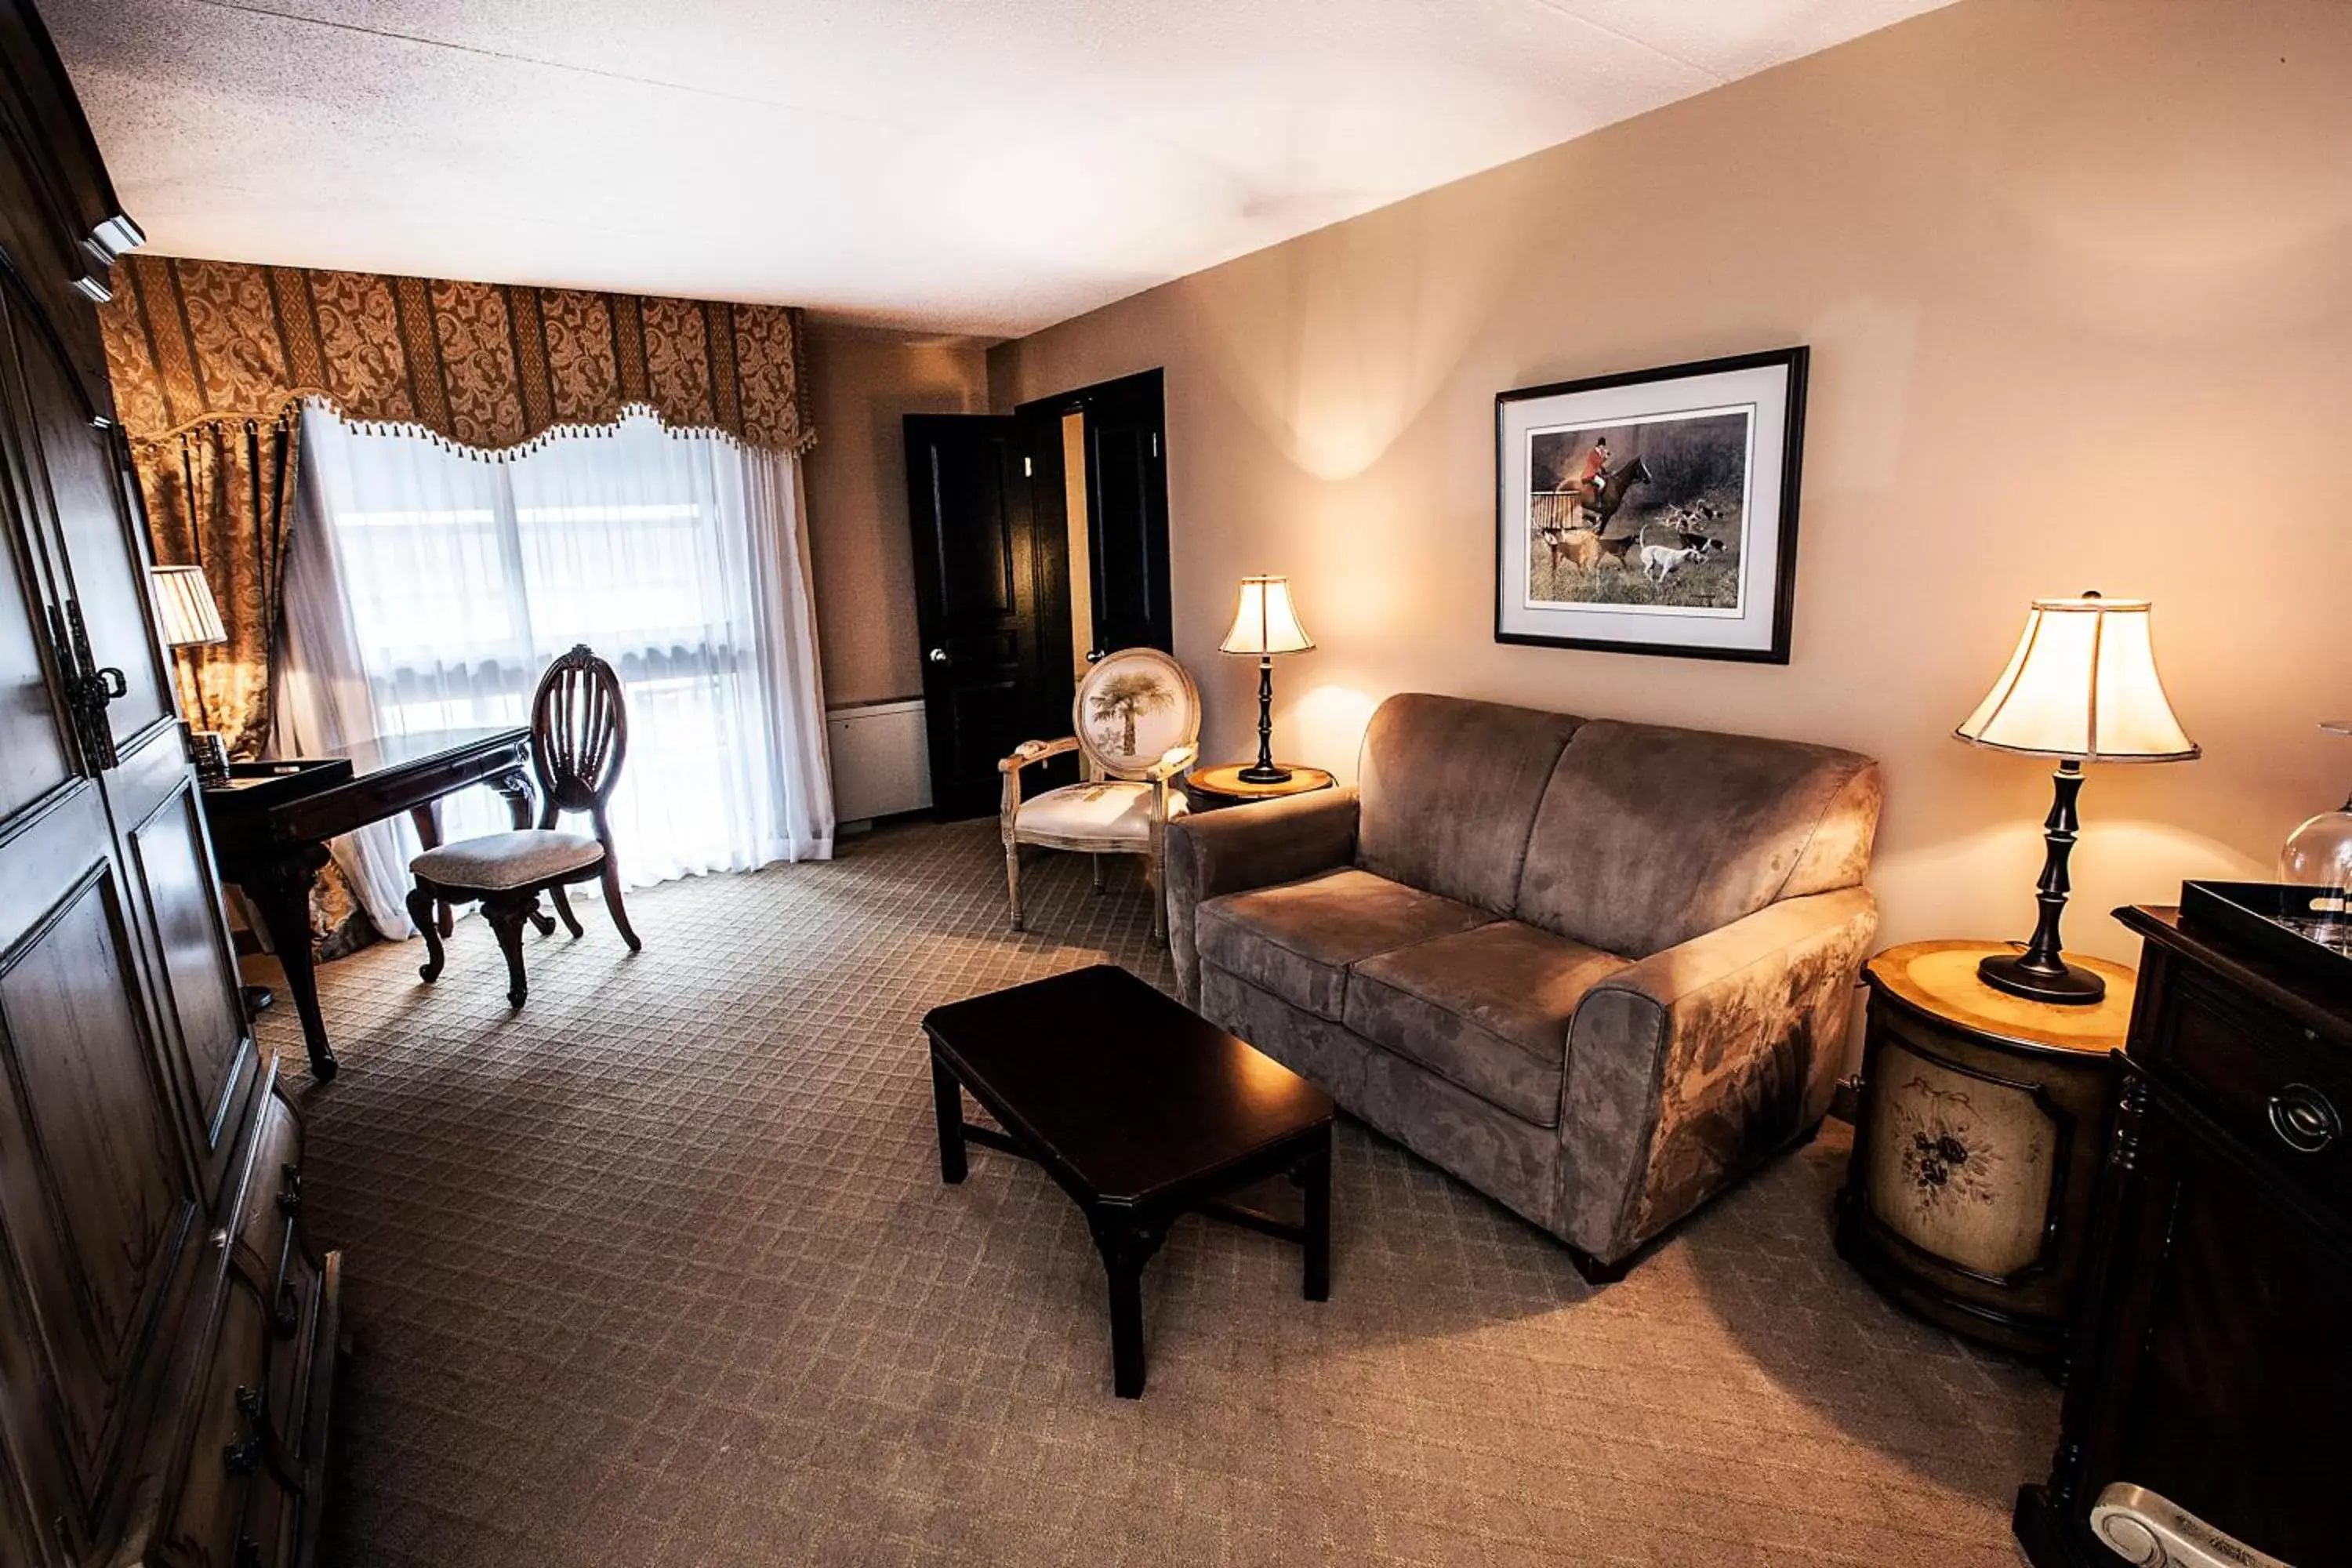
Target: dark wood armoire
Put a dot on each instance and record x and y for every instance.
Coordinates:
(167, 1327)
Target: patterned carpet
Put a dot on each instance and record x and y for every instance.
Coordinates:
(661, 1271)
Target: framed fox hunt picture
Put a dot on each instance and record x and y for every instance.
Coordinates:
(1654, 511)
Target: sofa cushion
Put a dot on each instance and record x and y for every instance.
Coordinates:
(1298, 940)
(1650, 836)
(1486, 1009)
(1449, 789)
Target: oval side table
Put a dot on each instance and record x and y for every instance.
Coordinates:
(1222, 785)
(1976, 1147)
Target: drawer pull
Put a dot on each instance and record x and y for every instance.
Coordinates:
(2303, 1120)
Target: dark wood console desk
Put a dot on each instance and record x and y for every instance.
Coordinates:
(2211, 1360)
(270, 827)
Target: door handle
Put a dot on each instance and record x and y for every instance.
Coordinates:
(87, 686)
(938, 656)
(1093, 656)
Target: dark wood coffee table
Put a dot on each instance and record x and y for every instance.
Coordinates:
(1143, 1111)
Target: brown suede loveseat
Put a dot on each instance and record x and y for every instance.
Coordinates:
(1596, 970)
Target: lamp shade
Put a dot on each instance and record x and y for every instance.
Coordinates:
(184, 608)
(1264, 620)
(2082, 684)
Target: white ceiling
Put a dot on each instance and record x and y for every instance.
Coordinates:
(984, 166)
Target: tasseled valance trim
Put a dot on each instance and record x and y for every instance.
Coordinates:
(289, 412)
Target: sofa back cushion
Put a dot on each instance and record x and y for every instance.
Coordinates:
(1449, 789)
(1648, 836)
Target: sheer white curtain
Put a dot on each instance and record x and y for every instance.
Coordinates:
(429, 586)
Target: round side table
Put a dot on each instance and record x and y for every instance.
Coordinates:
(1222, 785)
(1977, 1148)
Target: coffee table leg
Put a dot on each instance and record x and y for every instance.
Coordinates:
(1126, 1247)
(947, 1100)
(1314, 1179)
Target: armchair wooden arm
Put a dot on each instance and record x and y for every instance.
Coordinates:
(1026, 753)
(1173, 762)
(1029, 752)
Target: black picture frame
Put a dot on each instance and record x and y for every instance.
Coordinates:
(1513, 512)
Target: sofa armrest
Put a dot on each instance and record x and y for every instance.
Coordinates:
(1697, 1063)
(1244, 846)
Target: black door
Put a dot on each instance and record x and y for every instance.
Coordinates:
(984, 576)
(1124, 599)
(1126, 513)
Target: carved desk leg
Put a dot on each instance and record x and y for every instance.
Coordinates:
(281, 895)
(514, 785)
(427, 818)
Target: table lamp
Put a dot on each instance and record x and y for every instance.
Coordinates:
(2082, 687)
(1264, 624)
(186, 615)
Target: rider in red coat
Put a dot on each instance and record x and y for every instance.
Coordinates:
(1586, 480)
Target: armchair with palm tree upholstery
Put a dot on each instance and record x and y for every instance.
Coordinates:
(1137, 719)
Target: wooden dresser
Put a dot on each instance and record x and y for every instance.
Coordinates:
(167, 1327)
(2212, 1352)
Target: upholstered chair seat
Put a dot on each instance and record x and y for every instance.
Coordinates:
(1118, 809)
(504, 860)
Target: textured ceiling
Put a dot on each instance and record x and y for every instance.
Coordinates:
(986, 166)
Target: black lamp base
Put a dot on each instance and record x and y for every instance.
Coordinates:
(1263, 771)
(2040, 974)
(2018, 975)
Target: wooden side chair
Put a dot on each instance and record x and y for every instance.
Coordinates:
(579, 735)
(1137, 719)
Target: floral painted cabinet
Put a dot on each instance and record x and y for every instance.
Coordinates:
(1976, 1144)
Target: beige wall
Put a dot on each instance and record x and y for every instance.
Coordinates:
(861, 381)
(2078, 283)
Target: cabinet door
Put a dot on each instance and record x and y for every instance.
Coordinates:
(2226, 1379)
(74, 483)
(100, 1198)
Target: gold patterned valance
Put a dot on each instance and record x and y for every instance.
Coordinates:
(485, 364)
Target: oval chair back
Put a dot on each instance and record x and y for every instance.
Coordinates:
(1132, 708)
(579, 736)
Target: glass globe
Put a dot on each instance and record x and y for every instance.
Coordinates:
(2319, 855)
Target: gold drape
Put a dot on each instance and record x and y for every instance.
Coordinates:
(220, 495)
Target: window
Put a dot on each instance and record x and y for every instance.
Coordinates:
(453, 576)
